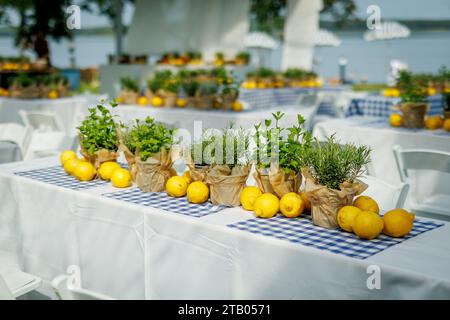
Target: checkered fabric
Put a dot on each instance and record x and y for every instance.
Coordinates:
(302, 231)
(161, 200)
(58, 177)
(382, 106)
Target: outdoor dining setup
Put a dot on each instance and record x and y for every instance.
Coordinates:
(203, 166)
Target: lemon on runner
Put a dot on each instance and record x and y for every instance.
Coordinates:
(69, 165)
(157, 101)
(366, 203)
(66, 155)
(397, 223)
(197, 192)
(53, 94)
(266, 205)
(396, 120)
(446, 125)
(84, 171)
(142, 101)
(107, 169)
(187, 176)
(176, 186)
(346, 216)
(291, 205)
(367, 225)
(434, 122)
(121, 178)
(306, 201)
(181, 103)
(248, 197)
(237, 106)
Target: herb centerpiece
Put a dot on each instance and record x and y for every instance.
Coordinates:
(130, 90)
(413, 105)
(24, 87)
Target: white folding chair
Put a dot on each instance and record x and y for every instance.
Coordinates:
(16, 133)
(15, 283)
(68, 287)
(47, 137)
(436, 205)
(387, 196)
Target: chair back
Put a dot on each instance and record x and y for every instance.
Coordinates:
(420, 159)
(386, 195)
(43, 121)
(16, 133)
(5, 293)
(68, 287)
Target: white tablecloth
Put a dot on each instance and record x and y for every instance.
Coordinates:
(377, 133)
(131, 251)
(9, 152)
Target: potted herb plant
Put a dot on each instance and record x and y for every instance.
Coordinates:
(170, 95)
(331, 172)
(151, 143)
(278, 162)
(198, 156)
(206, 94)
(24, 87)
(130, 90)
(230, 167)
(242, 58)
(190, 87)
(413, 103)
(98, 136)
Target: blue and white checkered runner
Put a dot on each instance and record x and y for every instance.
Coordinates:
(303, 231)
(382, 106)
(58, 177)
(161, 200)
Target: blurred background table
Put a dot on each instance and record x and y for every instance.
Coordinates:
(9, 152)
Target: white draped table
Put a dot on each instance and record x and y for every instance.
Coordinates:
(131, 251)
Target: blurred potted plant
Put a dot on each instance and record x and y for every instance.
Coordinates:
(24, 87)
(206, 95)
(242, 58)
(98, 136)
(413, 103)
(130, 90)
(170, 92)
(331, 172)
(190, 87)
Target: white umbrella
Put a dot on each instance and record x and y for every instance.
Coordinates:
(387, 31)
(259, 40)
(325, 38)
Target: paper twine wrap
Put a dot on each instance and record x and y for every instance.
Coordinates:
(129, 97)
(152, 174)
(277, 181)
(30, 92)
(226, 184)
(100, 156)
(413, 114)
(325, 202)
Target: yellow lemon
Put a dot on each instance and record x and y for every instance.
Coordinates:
(397, 223)
(69, 165)
(366, 203)
(142, 101)
(266, 205)
(120, 99)
(446, 125)
(367, 225)
(66, 155)
(157, 101)
(3, 92)
(197, 192)
(187, 176)
(248, 197)
(53, 94)
(107, 169)
(305, 201)
(181, 103)
(249, 85)
(345, 217)
(176, 186)
(396, 120)
(433, 122)
(395, 92)
(121, 178)
(237, 106)
(291, 205)
(431, 91)
(84, 171)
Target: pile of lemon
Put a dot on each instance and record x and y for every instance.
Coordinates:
(363, 219)
(431, 122)
(179, 186)
(85, 171)
(267, 205)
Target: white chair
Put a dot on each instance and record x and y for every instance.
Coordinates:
(68, 287)
(16, 133)
(436, 205)
(307, 105)
(387, 196)
(48, 138)
(15, 283)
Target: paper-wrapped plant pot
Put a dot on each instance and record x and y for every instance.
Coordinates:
(226, 184)
(325, 202)
(30, 92)
(413, 114)
(228, 100)
(170, 99)
(152, 174)
(129, 97)
(100, 156)
(277, 181)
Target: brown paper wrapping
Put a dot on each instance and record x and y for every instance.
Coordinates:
(149, 94)
(413, 114)
(225, 184)
(170, 99)
(63, 90)
(325, 202)
(228, 100)
(277, 181)
(44, 91)
(131, 160)
(100, 156)
(129, 97)
(152, 174)
(30, 92)
(204, 102)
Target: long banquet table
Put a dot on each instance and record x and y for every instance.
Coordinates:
(135, 251)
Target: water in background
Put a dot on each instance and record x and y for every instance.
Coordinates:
(423, 52)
